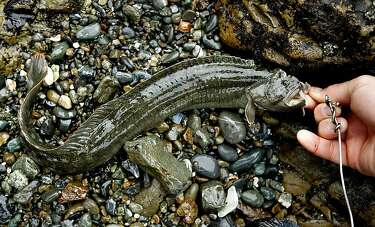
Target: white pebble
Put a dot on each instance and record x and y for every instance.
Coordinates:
(56, 38)
(76, 45)
(56, 72)
(231, 202)
(11, 84)
(256, 181)
(285, 199)
(65, 102)
(23, 73)
(48, 80)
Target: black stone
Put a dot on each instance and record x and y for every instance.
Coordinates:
(47, 128)
(248, 160)
(206, 165)
(227, 153)
(131, 167)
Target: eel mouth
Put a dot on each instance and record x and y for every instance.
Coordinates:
(297, 97)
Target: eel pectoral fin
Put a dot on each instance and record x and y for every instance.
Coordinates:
(250, 111)
(38, 70)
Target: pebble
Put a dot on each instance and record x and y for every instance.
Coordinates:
(259, 168)
(268, 193)
(206, 165)
(133, 14)
(4, 136)
(89, 32)
(285, 199)
(110, 206)
(47, 128)
(248, 160)
(194, 122)
(188, 15)
(27, 166)
(65, 102)
(5, 214)
(53, 96)
(26, 193)
(11, 85)
(14, 145)
(150, 198)
(159, 4)
(85, 220)
(212, 196)
(226, 221)
(86, 72)
(232, 126)
(91, 206)
(3, 125)
(135, 207)
(202, 137)
(231, 202)
(128, 32)
(211, 23)
(59, 51)
(106, 89)
(49, 79)
(50, 196)
(64, 114)
(64, 125)
(211, 43)
(170, 58)
(131, 167)
(227, 153)
(17, 180)
(253, 198)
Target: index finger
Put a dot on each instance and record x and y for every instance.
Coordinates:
(338, 92)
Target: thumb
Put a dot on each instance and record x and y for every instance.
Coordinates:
(338, 92)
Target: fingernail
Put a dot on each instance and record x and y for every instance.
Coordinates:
(326, 111)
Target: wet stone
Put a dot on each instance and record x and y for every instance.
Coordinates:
(50, 196)
(150, 198)
(131, 13)
(59, 51)
(73, 191)
(135, 208)
(226, 221)
(227, 152)
(27, 166)
(202, 137)
(170, 58)
(212, 196)
(212, 22)
(259, 168)
(47, 128)
(248, 160)
(64, 124)
(26, 193)
(64, 114)
(285, 199)
(151, 153)
(188, 15)
(110, 206)
(206, 165)
(17, 180)
(131, 167)
(252, 198)
(86, 72)
(268, 193)
(14, 145)
(211, 43)
(128, 32)
(3, 124)
(232, 126)
(91, 206)
(89, 32)
(106, 89)
(159, 4)
(85, 220)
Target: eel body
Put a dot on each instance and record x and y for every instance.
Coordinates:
(210, 82)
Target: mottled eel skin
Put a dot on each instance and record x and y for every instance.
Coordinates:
(210, 82)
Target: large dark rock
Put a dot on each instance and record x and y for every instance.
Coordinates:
(307, 34)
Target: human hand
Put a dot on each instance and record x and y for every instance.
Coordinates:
(357, 127)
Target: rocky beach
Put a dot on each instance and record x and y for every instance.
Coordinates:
(204, 167)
